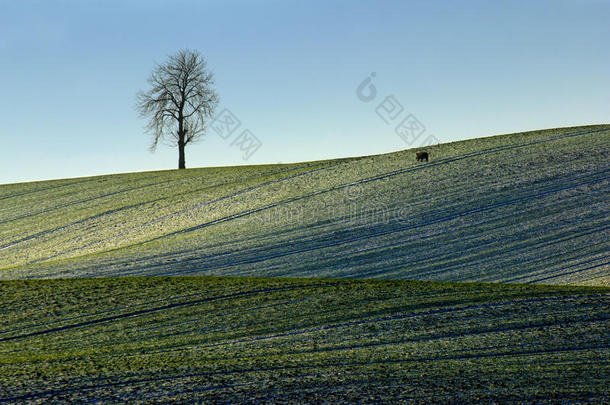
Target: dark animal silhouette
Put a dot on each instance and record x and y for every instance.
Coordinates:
(421, 156)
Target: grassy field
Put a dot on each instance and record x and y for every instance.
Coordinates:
(83, 321)
(523, 208)
(173, 339)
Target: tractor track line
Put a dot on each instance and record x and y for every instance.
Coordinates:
(362, 181)
(90, 218)
(256, 250)
(209, 258)
(171, 215)
(160, 308)
(334, 188)
(327, 244)
(296, 367)
(389, 319)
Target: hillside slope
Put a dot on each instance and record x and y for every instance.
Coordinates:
(199, 339)
(529, 208)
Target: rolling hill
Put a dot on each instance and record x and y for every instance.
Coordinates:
(82, 321)
(529, 207)
(229, 340)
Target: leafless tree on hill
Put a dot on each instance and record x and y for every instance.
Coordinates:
(180, 101)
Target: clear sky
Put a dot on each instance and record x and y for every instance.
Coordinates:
(289, 71)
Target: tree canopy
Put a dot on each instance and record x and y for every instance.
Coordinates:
(180, 100)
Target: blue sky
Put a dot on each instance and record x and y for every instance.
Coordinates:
(289, 71)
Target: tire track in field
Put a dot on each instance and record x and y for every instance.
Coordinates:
(474, 330)
(165, 330)
(346, 363)
(46, 188)
(71, 318)
(428, 337)
(256, 250)
(320, 192)
(227, 260)
(431, 217)
(442, 294)
(326, 243)
(83, 200)
(392, 213)
(458, 255)
(81, 221)
(218, 257)
(235, 194)
(96, 216)
(569, 272)
(109, 212)
(547, 241)
(66, 391)
(531, 248)
(173, 214)
(390, 318)
(366, 180)
(162, 308)
(389, 270)
(304, 365)
(464, 396)
(588, 260)
(127, 190)
(435, 265)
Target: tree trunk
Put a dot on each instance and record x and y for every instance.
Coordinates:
(181, 138)
(181, 162)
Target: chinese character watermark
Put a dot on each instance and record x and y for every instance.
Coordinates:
(247, 143)
(409, 128)
(225, 124)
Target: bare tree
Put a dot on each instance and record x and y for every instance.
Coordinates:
(180, 100)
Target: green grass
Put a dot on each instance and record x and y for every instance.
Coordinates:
(525, 208)
(173, 339)
(305, 321)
